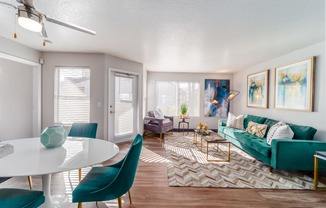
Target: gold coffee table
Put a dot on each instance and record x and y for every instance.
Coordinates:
(322, 156)
(212, 138)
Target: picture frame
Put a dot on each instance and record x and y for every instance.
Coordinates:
(258, 89)
(216, 92)
(294, 86)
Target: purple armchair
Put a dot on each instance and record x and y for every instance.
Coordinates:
(156, 125)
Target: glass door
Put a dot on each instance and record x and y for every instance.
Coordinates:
(123, 107)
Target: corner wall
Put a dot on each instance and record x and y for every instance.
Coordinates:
(96, 63)
(316, 119)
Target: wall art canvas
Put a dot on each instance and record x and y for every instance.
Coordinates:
(294, 86)
(216, 93)
(257, 89)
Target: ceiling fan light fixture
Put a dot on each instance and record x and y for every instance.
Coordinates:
(29, 19)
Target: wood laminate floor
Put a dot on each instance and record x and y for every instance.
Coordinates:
(151, 188)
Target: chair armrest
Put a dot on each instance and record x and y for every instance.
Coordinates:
(170, 117)
(147, 118)
(296, 154)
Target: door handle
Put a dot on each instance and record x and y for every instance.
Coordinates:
(112, 112)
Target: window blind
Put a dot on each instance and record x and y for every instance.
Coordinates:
(72, 95)
(171, 94)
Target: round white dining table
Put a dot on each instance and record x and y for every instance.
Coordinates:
(30, 157)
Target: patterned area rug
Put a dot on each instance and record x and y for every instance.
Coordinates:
(187, 166)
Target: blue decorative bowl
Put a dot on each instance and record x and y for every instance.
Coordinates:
(53, 136)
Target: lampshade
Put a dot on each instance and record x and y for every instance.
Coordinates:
(232, 94)
(29, 19)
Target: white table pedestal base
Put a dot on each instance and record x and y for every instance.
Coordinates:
(53, 201)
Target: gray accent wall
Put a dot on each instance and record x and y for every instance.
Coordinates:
(317, 118)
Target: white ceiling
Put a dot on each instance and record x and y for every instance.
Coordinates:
(178, 35)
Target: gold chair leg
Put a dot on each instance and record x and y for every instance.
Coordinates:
(120, 202)
(315, 172)
(80, 205)
(79, 174)
(161, 137)
(129, 197)
(30, 182)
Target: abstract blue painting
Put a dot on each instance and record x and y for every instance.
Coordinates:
(216, 94)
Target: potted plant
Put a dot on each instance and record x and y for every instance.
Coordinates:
(183, 110)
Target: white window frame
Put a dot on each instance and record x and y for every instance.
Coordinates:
(177, 105)
(56, 95)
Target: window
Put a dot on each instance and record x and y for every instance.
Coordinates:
(71, 95)
(170, 95)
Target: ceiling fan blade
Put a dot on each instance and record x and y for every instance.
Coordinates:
(71, 26)
(43, 32)
(7, 4)
(28, 3)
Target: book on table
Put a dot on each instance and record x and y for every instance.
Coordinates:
(321, 153)
(215, 138)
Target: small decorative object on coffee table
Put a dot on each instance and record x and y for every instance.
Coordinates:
(200, 132)
(322, 156)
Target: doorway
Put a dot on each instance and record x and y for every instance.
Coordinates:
(123, 106)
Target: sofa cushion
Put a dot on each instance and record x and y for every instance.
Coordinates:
(303, 132)
(235, 121)
(256, 119)
(256, 143)
(279, 131)
(300, 132)
(270, 122)
(256, 129)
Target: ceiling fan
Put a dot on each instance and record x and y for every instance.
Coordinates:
(33, 20)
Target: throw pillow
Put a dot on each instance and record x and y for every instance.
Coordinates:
(279, 131)
(151, 114)
(273, 129)
(158, 114)
(256, 129)
(235, 121)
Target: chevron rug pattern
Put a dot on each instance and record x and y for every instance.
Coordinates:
(187, 166)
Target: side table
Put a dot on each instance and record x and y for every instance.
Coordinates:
(183, 121)
(322, 156)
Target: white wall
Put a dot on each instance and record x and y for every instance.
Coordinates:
(96, 63)
(152, 77)
(16, 100)
(316, 119)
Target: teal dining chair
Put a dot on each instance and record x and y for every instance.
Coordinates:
(82, 130)
(110, 182)
(18, 198)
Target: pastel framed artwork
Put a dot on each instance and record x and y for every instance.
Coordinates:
(258, 89)
(294, 84)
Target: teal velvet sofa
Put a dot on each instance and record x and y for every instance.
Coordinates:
(294, 154)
